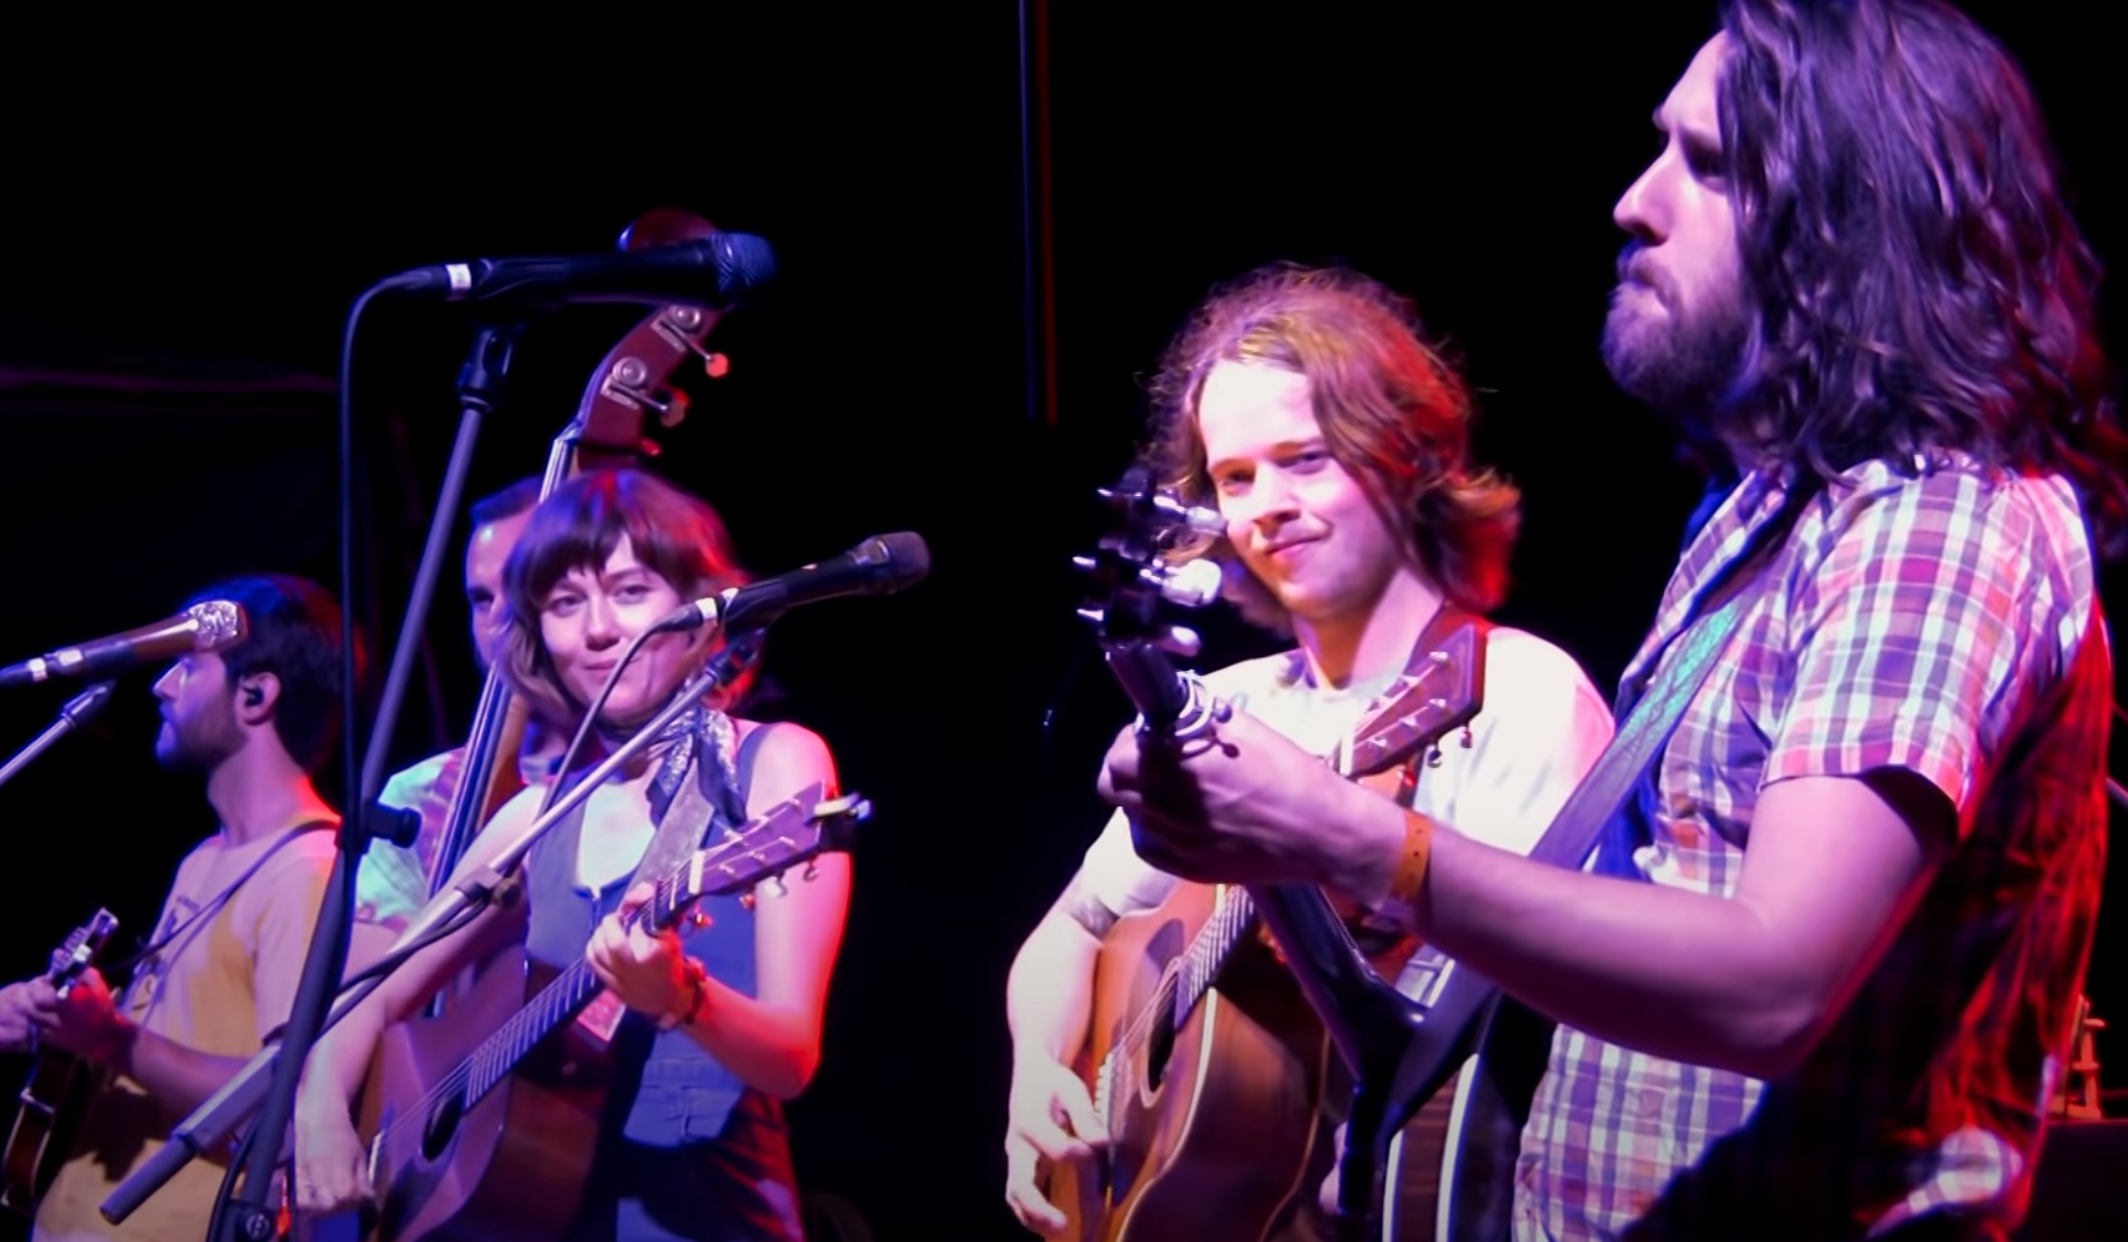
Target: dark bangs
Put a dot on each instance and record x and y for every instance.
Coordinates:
(580, 525)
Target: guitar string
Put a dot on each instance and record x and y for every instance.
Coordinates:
(1201, 959)
(499, 1054)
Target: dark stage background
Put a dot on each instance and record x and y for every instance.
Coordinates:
(185, 225)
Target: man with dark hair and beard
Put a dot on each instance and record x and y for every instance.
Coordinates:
(1821, 979)
(256, 720)
(395, 880)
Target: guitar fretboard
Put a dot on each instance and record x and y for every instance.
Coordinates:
(570, 991)
(1231, 916)
(556, 1003)
(786, 836)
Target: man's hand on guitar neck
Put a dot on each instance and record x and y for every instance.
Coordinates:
(1050, 1120)
(15, 1024)
(1246, 806)
(84, 1022)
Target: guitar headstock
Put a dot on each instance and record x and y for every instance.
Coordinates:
(78, 952)
(1441, 692)
(1149, 557)
(790, 834)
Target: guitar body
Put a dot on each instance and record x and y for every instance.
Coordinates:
(1491, 1097)
(514, 1165)
(1212, 1128)
(52, 1099)
(1450, 1172)
(1449, 1175)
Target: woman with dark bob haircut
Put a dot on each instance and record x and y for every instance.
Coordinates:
(720, 1024)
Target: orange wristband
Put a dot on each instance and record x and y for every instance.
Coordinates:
(1410, 875)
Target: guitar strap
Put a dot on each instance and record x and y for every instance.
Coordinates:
(698, 784)
(216, 902)
(1368, 753)
(1604, 792)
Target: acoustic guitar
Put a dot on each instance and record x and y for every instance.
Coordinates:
(482, 1123)
(57, 1087)
(1210, 1062)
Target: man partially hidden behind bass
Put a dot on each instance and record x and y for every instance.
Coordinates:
(1308, 407)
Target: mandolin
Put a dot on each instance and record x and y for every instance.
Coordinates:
(57, 1087)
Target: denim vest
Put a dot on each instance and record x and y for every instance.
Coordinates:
(698, 1120)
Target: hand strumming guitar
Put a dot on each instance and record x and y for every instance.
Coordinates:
(1049, 1120)
(332, 1164)
(1243, 805)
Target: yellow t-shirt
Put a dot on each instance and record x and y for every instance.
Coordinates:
(220, 987)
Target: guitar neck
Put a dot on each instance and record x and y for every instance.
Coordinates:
(556, 1003)
(785, 836)
(1379, 1032)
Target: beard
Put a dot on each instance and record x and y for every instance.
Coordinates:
(1682, 363)
(201, 743)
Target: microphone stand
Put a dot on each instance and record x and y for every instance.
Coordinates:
(246, 1214)
(214, 1120)
(210, 1126)
(77, 712)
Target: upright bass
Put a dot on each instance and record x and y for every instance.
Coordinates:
(517, 1155)
(632, 381)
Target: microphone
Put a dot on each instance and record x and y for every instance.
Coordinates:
(880, 565)
(715, 273)
(208, 626)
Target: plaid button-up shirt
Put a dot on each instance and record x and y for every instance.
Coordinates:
(1947, 625)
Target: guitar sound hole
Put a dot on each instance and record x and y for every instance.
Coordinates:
(1157, 1050)
(442, 1128)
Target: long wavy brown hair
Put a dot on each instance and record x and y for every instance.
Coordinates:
(577, 527)
(1394, 413)
(1917, 282)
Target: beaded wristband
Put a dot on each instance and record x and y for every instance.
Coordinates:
(696, 993)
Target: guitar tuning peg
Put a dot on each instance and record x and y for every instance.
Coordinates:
(1094, 615)
(1084, 564)
(1181, 640)
(1192, 584)
(685, 321)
